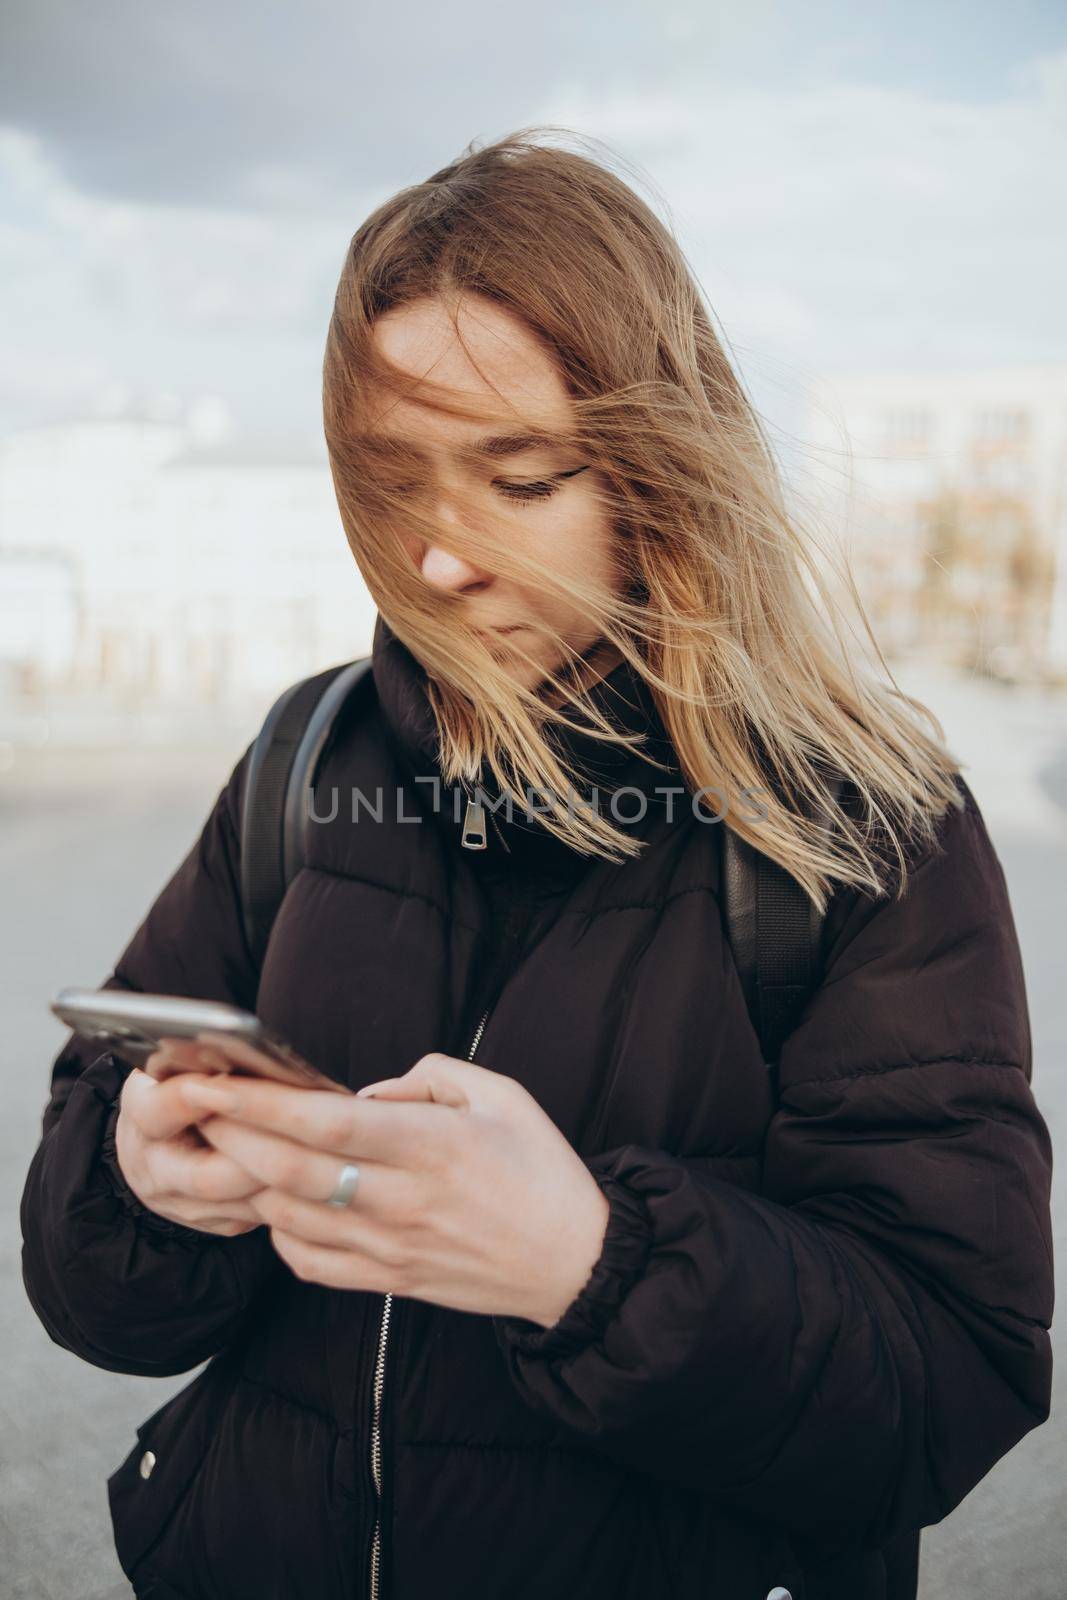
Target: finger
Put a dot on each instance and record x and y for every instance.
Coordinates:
(200, 1172)
(228, 1223)
(306, 1174)
(335, 1269)
(241, 1211)
(405, 1088)
(335, 1228)
(161, 1109)
(443, 1080)
(237, 1216)
(394, 1134)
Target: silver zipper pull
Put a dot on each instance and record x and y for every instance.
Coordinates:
(474, 835)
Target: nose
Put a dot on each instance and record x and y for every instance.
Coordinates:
(451, 573)
(440, 567)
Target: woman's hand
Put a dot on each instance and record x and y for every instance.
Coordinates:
(170, 1168)
(468, 1194)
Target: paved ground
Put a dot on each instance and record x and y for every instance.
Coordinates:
(86, 843)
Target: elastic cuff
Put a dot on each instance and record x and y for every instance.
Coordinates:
(626, 1248)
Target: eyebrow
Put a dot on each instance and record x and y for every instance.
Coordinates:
(516, 444)
(493, 446)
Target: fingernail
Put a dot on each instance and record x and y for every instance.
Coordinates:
(366, 1093)
(209, 1094)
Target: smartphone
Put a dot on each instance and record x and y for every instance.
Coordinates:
(135, 1025)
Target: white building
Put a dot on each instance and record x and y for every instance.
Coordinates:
(38, 616)
(144, 565)
(950, 490)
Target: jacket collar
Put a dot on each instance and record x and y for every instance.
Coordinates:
(623, 695)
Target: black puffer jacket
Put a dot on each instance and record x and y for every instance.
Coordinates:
(814, 1325)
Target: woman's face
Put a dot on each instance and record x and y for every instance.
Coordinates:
(514, 490)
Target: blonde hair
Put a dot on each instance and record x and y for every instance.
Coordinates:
(722, 607)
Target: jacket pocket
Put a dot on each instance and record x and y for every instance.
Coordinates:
(709, 1550)
(145, 1491)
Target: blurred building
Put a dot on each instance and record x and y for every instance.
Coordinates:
(950, 492)
(165, 566)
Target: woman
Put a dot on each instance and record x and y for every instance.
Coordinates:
(604, 1311)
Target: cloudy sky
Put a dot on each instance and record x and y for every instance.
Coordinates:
(853, 186)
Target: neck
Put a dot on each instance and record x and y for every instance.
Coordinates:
(596, 663)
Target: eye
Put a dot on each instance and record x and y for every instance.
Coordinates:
(543, 490)
(526, 491)
(523, 493)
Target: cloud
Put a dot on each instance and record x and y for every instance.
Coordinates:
(831, 224)
(247, 106)
(860, 222)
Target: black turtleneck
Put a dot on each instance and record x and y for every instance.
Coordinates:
(511, 831)
(525, 869)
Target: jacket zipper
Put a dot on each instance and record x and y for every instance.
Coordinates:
(379, 1386)
(473, 837)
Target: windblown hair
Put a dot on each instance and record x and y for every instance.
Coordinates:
(723, 606)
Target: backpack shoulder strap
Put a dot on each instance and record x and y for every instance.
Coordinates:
(775, 932)
(282, 765)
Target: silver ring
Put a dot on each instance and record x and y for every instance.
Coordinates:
(345, 1187)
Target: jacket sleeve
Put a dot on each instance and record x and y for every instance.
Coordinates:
(849, 1351)
(110, 1279)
